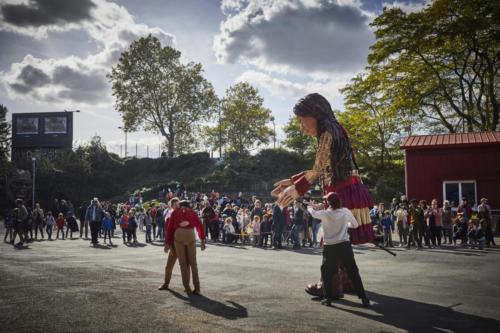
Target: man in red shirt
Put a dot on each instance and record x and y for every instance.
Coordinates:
(172, 257)
(180, 236)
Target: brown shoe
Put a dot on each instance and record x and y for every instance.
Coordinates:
(196, 292)
(188, 291)
(163, 287)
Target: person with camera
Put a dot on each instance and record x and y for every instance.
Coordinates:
(94, 215)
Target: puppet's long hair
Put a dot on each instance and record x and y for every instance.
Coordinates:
(342, 156)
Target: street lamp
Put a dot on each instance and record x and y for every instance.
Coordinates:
(33, 159)
(220, 129)
(124, 130)
(274, 132)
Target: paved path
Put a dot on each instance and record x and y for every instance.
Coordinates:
(67, 286)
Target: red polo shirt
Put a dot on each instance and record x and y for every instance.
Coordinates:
(183, 218)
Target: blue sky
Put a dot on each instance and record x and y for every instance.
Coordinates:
(55, 53)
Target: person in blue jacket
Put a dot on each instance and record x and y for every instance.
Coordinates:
(388, 227)
(107, 226)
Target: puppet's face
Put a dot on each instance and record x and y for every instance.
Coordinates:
(309, 125)
(18, 184)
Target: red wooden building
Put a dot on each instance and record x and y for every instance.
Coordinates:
(451, 166)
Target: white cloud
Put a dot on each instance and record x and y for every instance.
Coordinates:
(310, 37)
(286, 89)
(408, 6)
(71, 80)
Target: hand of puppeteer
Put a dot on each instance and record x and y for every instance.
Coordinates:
(280, 186)
(287, 196)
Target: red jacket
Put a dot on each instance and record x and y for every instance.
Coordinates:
(60, 222)
(183, 218)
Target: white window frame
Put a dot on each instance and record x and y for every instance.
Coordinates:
(460, 189)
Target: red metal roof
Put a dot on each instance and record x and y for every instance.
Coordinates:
(452, 139)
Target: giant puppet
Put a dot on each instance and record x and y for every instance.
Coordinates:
(334, 167)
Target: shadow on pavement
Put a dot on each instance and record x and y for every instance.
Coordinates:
(216, 308)
(101, 247)
(303, 250)
(234, 246)
(135, 244)
(415, 316)
(446, 250)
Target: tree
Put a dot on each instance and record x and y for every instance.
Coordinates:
(5, 135)
(371, 120)
(296, 140)
(243, 123)
(444, 61)
(155, 91)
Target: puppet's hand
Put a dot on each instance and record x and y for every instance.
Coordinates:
(288, 196)
(280, 186)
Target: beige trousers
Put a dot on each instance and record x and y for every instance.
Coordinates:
(172, 258)
(185, 249)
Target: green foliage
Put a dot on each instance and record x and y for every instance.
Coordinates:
(254, 173)
(244, 121)
(384, 183)
(442, 64)
(371, 121)
(297, 141)
(155, 91)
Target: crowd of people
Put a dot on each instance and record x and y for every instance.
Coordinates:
(249, 222)
(418, 224)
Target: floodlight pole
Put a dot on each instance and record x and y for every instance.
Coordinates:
(125, 131)
(220, 130)
(33, 159)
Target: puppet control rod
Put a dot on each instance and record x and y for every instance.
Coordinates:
(384, 248)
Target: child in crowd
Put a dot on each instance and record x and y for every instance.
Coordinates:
(9, 227)
(72, 225)
(388, 227)
(228, 230)
(402, 224)
(132, 226)
(50, 224)
(265, 230)
(471, 233)
(60, 225)
(256, 230)
(459, 232)
(140, 219)
(481, 234)
(107, 226)
(124, 227)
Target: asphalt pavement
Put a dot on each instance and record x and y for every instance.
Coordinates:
(69, 286)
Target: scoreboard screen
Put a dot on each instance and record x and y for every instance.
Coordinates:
(41, 133)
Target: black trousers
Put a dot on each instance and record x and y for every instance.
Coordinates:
(340, 254)
(278, 235)
(435, 233)
(95, 227)
(415, 236)
(38, 226)
(214, 230)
